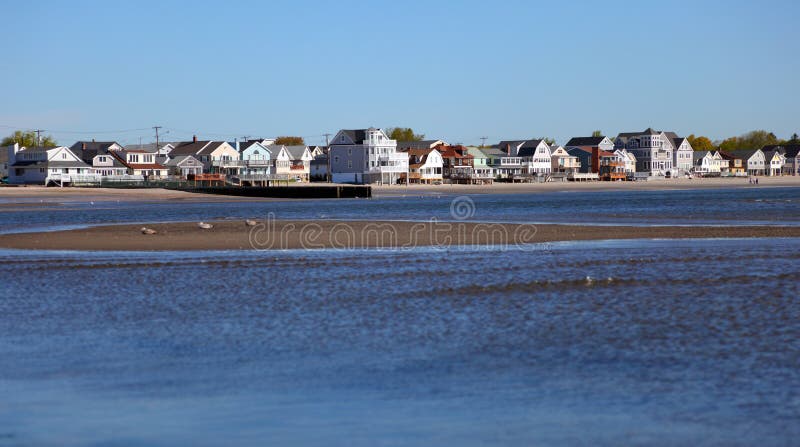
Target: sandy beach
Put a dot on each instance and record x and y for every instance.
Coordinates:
(299, 234)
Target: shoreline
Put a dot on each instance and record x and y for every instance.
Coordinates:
(36, 196)
(316, 234)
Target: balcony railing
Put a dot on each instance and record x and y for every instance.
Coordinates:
(228, 163)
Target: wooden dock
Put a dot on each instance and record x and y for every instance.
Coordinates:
(286, 192)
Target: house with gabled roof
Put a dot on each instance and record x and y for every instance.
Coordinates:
(754, 160)
(601, 142)
(562, 162)
(682, 154)
(536, 156)
(100, 158)
(774, 160)
(735, 165)
(256, 163)
(366, 156)
(503, 164)
(47, 165)
(425, 165)
(292, 162)
(218, 157)
(704, 164)
(791, 153)
(654, 151)
(184, 166)
(482, 171)
(96, 146)
(141, 163)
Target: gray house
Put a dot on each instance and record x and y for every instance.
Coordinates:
(653, 149)
(366, 156)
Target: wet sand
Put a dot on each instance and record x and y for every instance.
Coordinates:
(299, 234)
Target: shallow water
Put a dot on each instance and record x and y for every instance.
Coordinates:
(592, 343)
(761, 206)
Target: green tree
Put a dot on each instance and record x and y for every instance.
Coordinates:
(290, 141)
(404, 134)
(597, 133)
(548, 140)
(27, 138)
(701, 143)
(794, 140)
(755, 139)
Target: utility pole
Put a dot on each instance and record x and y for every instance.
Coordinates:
(156, 128)
(326, 135)
(38, 133)
(483, 141)
(246, 138)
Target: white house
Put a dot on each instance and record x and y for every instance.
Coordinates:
(292, 161)
(44, 165)
(424, 166)
(140, 162)
(99, 156)
(536, 156)
(705, 163)
(628, 160)
(775, 160)
(366, 156)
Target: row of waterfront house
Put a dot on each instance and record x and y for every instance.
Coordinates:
(370, 156)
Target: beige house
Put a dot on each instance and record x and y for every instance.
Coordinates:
(141, 162)
(563, 162)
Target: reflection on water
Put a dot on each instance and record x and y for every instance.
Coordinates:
(657, 342)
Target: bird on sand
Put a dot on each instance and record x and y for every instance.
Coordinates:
(250, 222)
(205, 226)
(146, 230)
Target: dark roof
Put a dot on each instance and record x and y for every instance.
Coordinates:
(519, 145)
(789, 150)
(579, 151)
(189, 147)
(423, 144)
(176, 161)
(94, 145)
(243, 145)
(356, 135)
(88, 155)
(585, 141)
(744, 154)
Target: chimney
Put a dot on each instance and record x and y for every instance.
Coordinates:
(596, 160)
(508, 149)
(92, 140)
(83, 145)
(237, 145)
(194, 138)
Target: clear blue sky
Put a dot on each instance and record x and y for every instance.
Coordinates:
(452, 70)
